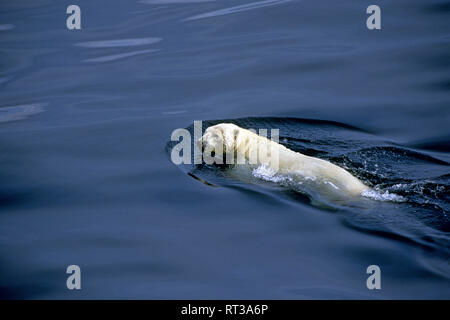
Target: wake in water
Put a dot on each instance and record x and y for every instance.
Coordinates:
(409, 195)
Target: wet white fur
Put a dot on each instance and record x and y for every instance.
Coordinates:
(320, 173)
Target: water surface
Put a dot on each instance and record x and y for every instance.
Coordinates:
(86, 115)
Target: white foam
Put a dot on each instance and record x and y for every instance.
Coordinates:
(382, 196)
(267, 173)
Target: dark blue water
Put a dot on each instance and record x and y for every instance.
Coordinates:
(86, 117)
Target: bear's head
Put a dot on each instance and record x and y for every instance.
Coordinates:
(220, 138)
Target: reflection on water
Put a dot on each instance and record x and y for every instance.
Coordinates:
(173, 1)
(4, 27)
(244, 7)
(119, 56)
(14, 113)
(118, 43)
(85, 116)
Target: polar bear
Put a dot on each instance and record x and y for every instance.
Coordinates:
(226, 138)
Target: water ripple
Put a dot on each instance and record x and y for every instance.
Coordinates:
(173, 1)
(118, 43)
(4, 27)
(20, 112)
(120, 56)
(244, 7)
